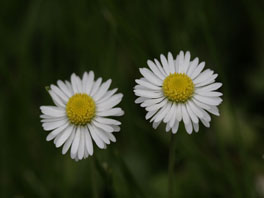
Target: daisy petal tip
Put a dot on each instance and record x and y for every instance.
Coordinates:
(122, 112)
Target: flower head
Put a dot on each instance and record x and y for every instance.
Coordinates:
(178, 89)
(81, 114)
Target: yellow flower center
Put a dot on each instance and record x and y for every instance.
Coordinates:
(178, 87)
(80, 109)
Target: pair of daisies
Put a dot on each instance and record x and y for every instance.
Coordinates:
(171, 90)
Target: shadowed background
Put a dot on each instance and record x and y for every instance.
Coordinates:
(43, 41)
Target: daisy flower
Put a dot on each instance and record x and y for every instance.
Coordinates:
(178, 89)
(81, 115)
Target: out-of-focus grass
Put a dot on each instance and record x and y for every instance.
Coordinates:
(42, 41)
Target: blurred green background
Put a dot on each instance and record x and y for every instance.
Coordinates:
(42, 41)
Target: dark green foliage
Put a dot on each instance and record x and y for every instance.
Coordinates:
(42, 41)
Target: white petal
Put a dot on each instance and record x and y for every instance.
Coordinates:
(161, 115)
(168, 128)
(158, 112)
(84, 81)
(209, 80)
(175, 127)
(191, 114)
(69, 86)
(203, 76)
(74, 83)
(65, 135)
(107, 121)
(150, 102)
(64, 88)
(195, 109)
(107, 95)
(57, 131)
(89, 82)
(116, 128)
(104, 127)
(173, 119)
(196, 127)
(88, 142)
(86, 154)
(148, 85)
(165, 64)
(68, 143)
(95, 137)
(140, 100)
(150, 76)
(186, 61)
(186, 119)
(140, 87)
(111, 137)
(192, 67)
(210, 87)
(79, 84)
(155, 70)
(75, 156)
(56, 99)
(206, 116)
(113, 101)
(181, 60)
(57, 138)
(59, 93)
(76, 142)
(171, 63)
(198, 70)
(150, 114)
(160, 67)
(205, 123)
(210, 94)
(111, 112)
(148, 94)
(47, 117)
(157, 106)
(176, 64)
(53, 125)
(52, 119)
(208, 100)
(214, 110)
(178, 111)
(81, 145)
(170, 113)
(103, 136)
(96, 86)
(200, 104)
(105, 86)
(53, 111)
(185, 115)
(188, 127)
(156, 124)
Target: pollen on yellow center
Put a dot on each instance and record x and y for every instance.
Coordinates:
(80, 109)
(178, 87)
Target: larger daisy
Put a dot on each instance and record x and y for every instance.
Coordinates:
(81, 115)
(178, 89)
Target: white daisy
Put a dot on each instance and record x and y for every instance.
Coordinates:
(176, 90)
(81, 114)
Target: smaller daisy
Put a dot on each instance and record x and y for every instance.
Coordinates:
(81, 115)
(178, 89)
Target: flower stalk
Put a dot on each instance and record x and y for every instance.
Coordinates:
(171, 164)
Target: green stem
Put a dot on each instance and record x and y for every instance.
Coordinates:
(171, 164)
(93, 178)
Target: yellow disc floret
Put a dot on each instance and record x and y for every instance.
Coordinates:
(178, 87)
(80, 109)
